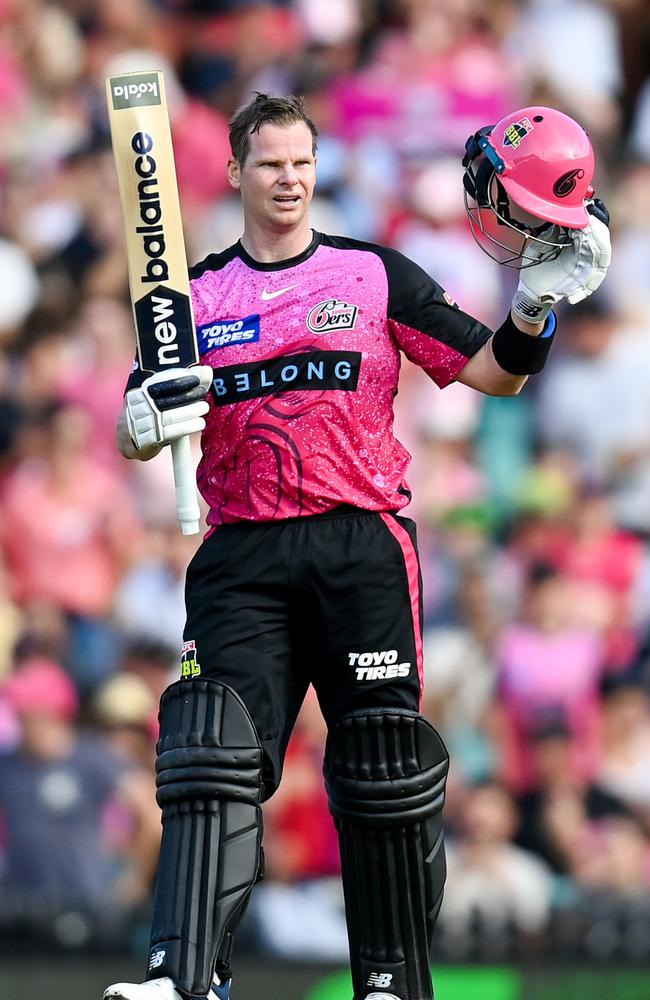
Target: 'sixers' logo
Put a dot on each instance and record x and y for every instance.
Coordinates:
(332, 314)
(190, 666)
(517, 131)
(565, 184)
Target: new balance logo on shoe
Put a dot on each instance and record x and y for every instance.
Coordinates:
(382, 979)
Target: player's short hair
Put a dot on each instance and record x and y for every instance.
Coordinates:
(262, 110)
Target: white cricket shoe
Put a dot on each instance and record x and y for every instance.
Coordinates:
(381, 996)
(155, 989)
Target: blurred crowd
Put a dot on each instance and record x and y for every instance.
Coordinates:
(533, 511)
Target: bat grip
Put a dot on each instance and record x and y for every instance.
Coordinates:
(187, 507)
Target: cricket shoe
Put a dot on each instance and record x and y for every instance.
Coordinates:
(154, 989)
(161, 989)
(221, 990)
(381, 996)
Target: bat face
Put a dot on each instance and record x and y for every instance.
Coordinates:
(155, 247)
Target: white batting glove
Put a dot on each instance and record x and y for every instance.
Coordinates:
(168, 405)
(575, 273)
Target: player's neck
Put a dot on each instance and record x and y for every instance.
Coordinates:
(267, 246)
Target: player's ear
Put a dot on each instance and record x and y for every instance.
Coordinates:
(234, 173)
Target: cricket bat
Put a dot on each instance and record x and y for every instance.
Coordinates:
(155, 248)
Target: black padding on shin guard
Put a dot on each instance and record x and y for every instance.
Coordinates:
(209, 779)
(385, 772)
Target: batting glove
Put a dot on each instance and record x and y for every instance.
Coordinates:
(168, 405)
(575, 273)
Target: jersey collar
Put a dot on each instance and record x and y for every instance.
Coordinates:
(280, 265)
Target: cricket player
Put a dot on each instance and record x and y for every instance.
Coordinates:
(309, 573)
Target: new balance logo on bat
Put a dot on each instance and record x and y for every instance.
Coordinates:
(165, 336)
(129, 91)
(165, 331)
(149, 210)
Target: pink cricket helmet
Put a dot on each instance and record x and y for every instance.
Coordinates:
(549, 164)
(536, 159)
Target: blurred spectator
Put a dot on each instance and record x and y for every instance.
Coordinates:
(68, 532)
(301, 915)
(152, 660)
(55, 790)
(126, 710)
(571, 48)
(625, 765)
(546, 663)
(429, 83)
(433, 233)
(458, 690)
(606, 367)
(149, 601)
(20, 289)
(631, 263)
(605, 565)
(557, 815)
(618, 863)
(496, 892)
(95, 383)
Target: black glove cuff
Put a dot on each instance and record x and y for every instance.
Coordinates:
(177, 392)
(519, 353)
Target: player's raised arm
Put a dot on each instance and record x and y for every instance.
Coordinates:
(531, 206)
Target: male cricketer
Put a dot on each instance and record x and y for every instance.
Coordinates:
(308, 573)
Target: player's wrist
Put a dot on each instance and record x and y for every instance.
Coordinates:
(518, 353)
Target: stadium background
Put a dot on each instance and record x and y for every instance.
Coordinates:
(534, 511)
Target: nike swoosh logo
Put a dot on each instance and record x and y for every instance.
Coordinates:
(273, 295)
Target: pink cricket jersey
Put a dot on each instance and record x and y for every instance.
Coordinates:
(306, 359)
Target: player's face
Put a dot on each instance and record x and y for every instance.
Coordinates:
(277, 179)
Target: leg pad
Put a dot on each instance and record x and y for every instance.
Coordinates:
(209, 786)
(385, 773)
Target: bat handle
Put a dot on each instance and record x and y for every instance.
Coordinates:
(187, 507)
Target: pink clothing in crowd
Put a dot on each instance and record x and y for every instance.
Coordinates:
(546, 675)
(67, 549)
